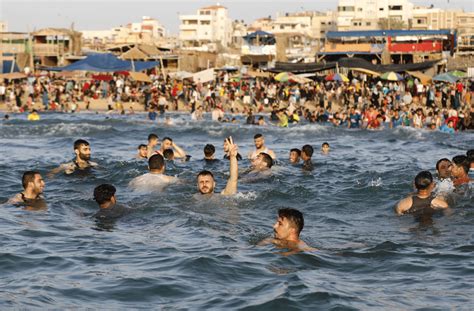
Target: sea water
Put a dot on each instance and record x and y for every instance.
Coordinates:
(178, 251)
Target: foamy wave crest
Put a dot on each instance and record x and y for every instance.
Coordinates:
(52, 130)
(247, 196)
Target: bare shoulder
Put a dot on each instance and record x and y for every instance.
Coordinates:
(15, 199)
(403, 205)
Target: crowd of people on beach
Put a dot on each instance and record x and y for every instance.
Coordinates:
(363, 102)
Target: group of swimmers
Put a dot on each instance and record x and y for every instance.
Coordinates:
(290, 222)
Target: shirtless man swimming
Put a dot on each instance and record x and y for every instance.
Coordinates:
(260, 147)
(82, 161)
(205, 179)
(287, 229)
(33, 187)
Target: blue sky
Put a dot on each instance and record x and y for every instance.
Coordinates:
(26, 15)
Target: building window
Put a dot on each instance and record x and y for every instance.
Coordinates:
(345, 9)
(355, 24)
(359, 9)
(380, 9)
(395, 7)
(368, 23)
(281, 27)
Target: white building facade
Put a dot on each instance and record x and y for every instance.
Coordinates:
(209, 25)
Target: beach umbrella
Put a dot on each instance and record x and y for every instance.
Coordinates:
(391, 76)
(283, 76)
(458, 73)
(445, 77)
(337, 77)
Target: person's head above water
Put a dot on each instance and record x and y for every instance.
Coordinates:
(289, 224)
(262, 162)
(104, 195)
(209, 151)
(205, 182)
(295, 155)
(443, 167)
(156, 164)
(33, 182)
(306, 152)
(460, 167)
(325, 148)
(142, 151)
(424, 181)
(168, 154)
(259, 141)
(167, 143)
(153, 139)
(82, 149)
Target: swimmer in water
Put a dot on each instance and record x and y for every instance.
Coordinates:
(287, 229)
(262, 163)
(104, 195)
(82, 161)
(31, 196)
(227, 151)
(142, 152)
(444, 184)
(325, 148)
(423, 203)
(168, 143)
(156, 177)
(260, 147)
(306, 154)
(205, 179)
(295, 155)
(460, 170)
(209, 151)
(153, 141)
(168, 154)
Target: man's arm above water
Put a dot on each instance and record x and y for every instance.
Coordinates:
(231, 187)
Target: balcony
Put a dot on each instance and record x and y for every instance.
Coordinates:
(43, 49)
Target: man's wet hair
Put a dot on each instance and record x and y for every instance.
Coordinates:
(156, 162)
(325, 144)
(267, 159)
(205, 173)
(209, 150)
(152, 136)
(257, 136)
(104, 193)
(28, 176)
(167, 138)
(423, 180)
(470, 155)
(142, 146)
(296, 150)
(294, 216)
(168, 154)
(441, 161)
(78, 143)
(462, 160)
(308, 150)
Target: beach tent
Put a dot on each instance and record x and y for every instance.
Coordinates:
(391, 76)
(204, 76)
(445, 77)
(105, 63)
(13, 76)
(7, 67)
(140, 76)
(424, 79)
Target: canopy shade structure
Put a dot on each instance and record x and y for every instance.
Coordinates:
(445, 77)
(140, 76)
(391, 76)
(424, 79)
(337, 77)
(134, 53)
(458, 73)
(13, 76)
(106, 63)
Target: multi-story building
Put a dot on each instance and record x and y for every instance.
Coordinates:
(209, 25)
(366, 14)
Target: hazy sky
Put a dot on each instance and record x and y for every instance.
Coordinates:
(26, 15)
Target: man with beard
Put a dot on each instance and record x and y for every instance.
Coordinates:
(33, 185)
(260, 147)
(82, 161)
(205, 179)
